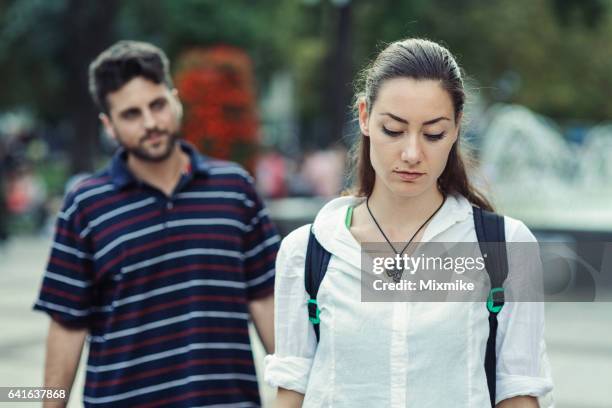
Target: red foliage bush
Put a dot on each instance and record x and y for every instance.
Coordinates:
(216, 87)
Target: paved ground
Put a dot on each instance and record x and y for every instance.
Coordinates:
(579, 336)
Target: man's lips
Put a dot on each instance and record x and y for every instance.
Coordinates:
(154, 137)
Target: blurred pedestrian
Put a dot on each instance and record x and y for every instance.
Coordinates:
(411, 185)
(161, 258)
(323, 170)
(3, 208)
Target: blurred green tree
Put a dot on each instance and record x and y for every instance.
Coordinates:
(45, 48)
(550, 55)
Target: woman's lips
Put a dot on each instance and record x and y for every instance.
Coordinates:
(408, 175)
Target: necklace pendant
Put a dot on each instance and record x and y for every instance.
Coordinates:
(395, 274)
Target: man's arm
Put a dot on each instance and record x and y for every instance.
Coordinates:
(262, 313)
(64, 347)
(519, 402)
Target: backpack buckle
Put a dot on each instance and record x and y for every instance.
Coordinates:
(313, 311)
(494, 305)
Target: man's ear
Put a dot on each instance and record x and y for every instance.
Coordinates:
(363, 117)
(108, 126)
(178, 106)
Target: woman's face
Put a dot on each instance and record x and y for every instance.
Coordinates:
(412, 129)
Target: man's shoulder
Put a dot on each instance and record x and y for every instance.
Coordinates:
(82, 186)
(230, 174)
(227, 168)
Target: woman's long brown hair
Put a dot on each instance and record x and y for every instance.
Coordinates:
(418, 59)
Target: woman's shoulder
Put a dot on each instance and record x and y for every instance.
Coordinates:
(517, 231)
(294, 244)
(297, 236)
(292, 253)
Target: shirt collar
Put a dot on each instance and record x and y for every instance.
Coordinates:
(122, 176)
(456, 209)
(332, 233)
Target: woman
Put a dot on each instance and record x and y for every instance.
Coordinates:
(411, 184)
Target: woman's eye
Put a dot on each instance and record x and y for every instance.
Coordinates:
(391, 132)
(435, 136)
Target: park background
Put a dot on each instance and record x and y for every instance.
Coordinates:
(270, 84)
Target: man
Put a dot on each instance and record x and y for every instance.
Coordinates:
(161, 258)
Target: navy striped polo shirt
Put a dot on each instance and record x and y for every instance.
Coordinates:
(163, 284)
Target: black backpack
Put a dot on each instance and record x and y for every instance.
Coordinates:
(489, 230)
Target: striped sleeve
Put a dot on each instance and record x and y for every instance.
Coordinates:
(66, 290)
(261, 242)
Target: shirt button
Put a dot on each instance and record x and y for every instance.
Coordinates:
(169, 205)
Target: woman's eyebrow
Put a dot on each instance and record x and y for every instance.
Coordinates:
(392, 116)
(402, 120)
(432, 121)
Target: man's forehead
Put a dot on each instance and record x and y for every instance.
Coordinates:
(136, 92)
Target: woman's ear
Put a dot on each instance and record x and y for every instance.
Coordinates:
(458, 125)
(363, 117)
(459, 118)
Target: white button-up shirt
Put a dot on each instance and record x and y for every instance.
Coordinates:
(397, 354)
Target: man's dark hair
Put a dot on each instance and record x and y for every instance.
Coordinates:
(122, 62)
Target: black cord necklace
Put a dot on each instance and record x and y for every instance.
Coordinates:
(397, 274)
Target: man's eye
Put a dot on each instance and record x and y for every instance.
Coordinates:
(130, 114)
(391, 132)
(157, 105)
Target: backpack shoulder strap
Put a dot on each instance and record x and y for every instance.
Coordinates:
(317, 259)
(490, 230)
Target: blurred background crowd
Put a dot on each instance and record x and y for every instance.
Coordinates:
(270, 84)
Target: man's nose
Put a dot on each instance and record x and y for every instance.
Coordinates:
(149, 119)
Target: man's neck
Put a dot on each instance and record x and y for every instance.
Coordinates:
(163, 175)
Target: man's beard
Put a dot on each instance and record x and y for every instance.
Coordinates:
(142, 153)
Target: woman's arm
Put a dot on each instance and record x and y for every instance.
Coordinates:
(519, 402)
(295, 342)
(288, 399)
(520, 347)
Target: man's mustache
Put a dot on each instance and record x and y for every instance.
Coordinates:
(151, 133)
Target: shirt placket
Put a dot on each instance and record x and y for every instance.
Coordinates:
(399, 355)
(169, 201)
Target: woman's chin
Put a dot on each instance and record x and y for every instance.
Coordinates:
(407, 190)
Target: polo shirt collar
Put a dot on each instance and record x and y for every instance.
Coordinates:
(121, 175)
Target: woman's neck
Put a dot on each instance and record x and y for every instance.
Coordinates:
(399, 212)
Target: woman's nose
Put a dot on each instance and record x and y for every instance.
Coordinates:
(411, 150)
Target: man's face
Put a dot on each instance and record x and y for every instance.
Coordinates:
(144, 118)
